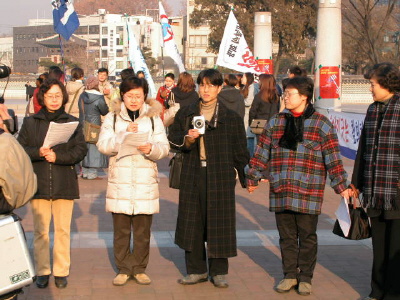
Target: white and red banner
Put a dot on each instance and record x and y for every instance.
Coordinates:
(234, 52)
(168, 39)
(348, 128)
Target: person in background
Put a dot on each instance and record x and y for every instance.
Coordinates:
(57, 182)
(239, 84)
(299, 146)
(248, 94)
(18, 182)
(74, 88)
(125, 73)
(206, 211)
(29, 91)
(92, 106)
(376, 175)
(56, 73)
(231, 97)
(105, 85)
(140, 74)
(132, 191)
(184, 92)
(39, 81)
(163, 91)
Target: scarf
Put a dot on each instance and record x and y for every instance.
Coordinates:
(294, 128)
(133, 114)
(381, 164)
(50, 116)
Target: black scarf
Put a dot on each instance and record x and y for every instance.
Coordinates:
(50, 116)
(133, 114)
(294, 129)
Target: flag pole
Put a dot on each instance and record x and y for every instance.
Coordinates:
(62, 53)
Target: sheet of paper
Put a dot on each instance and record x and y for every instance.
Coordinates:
(130, 143)
(59, 133)
(343, 216)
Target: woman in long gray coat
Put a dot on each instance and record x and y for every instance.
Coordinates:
(92, 105)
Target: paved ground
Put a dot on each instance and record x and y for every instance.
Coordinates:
(342, 271)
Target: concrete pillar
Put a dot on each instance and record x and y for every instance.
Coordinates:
(263, 41)
(328, 62)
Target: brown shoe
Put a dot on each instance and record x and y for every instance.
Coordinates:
(121, 279)
(285, 285)
(142, 278)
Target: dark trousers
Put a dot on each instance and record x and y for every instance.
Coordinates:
(135, 261)
(385, 281)
(196, 260)
(298, 243)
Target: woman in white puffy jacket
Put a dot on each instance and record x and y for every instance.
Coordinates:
(132, 191)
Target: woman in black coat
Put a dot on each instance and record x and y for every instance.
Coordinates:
(57, 181)
(184, 93)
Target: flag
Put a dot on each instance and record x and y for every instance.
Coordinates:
(65, 18)
(137, 60)
(168, 39)
(234, 53)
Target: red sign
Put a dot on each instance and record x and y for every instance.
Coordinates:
(329, 82)
(266, 66)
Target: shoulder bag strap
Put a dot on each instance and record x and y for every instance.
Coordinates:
(73, 101)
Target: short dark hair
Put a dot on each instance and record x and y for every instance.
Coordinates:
(213, 76)
(297, 71)
(140, 72)
(231, 80)
(170, 75)
(76, 73)
(55, 73)
(46, 86)
(387, 75)
(131, 83)
(125, 73)
(102, 70)
(304, 85)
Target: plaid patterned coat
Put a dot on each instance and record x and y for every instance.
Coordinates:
(226, 150)
(297, 178)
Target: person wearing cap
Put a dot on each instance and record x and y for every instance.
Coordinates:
(92, 106)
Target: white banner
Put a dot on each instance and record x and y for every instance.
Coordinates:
(137, 60)
(234, 52)
(348, 128)
(168, 39)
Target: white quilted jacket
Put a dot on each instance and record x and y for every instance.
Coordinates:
(133, 179)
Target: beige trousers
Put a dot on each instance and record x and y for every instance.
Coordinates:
(43, 210)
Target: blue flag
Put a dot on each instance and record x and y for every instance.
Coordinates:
(65, 18)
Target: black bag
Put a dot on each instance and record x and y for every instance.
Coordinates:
(175, 164)
(360, 228)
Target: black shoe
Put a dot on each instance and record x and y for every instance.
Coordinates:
(61, 282)
(42, 281)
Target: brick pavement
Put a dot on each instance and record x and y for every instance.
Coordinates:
(342, 272)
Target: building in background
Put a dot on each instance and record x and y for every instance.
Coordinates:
(6, 51)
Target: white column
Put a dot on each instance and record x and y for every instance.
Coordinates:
(263, 39)
(328, 62)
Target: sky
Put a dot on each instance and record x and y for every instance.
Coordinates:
(18, 12)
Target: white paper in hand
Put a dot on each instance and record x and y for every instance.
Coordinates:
(59, 133)
(343, 216)
(130, 142)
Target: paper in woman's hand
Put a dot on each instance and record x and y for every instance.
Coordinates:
(130, 142)
(343, 216)
(59, 133)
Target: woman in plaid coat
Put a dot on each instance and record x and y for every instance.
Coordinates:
(300, 146)
(376, 175)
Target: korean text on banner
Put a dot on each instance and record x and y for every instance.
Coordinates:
(168, 39)
(234, 52)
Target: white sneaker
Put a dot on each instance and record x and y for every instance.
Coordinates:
(121, 279)
(285, 285)
(142, 278)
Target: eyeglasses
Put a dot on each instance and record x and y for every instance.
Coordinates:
(56, 97)
(207, 85)
(287, 94)
(133, 98)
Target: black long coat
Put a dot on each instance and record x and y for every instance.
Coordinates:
(226, 150)
(55, 180)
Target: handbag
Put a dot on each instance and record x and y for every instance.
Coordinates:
(175, 170)
(169, 114)
(91, 131)
(359, 228)
(257, 125)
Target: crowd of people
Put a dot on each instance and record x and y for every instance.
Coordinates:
(294, 152)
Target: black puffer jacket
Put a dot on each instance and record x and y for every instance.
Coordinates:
(183, 98)
(55, 180)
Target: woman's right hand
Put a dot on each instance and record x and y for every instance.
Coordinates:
(132, 127)
(43, 151)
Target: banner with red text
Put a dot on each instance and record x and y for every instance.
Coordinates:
(234, 52)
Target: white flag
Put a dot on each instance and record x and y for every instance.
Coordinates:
(234, 52)
(137, 60)
(168, 39)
